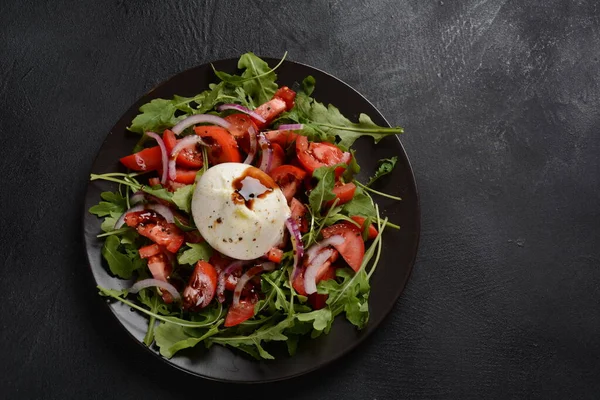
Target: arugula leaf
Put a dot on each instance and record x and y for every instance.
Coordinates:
(157, 115)
(171, 338)
(183, 198)
(351, 295)
(361, 204)
(308, 85)
(120, 264)
(321, 319)
(327, 123)
(115, 203)
(266, 333)
(257, 79)
(353, 168)
(322, 192)
(384, 167)
(196, 251)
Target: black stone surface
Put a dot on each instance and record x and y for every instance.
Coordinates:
(500, 102)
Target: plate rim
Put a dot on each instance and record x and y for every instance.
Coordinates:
(338, 355)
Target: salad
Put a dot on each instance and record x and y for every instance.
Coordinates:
(239, 220)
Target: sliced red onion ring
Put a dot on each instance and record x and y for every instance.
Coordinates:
(252, 153)
(251, 273)
(297, 246)
(137, 197)
(163, 153)
(200, 119)
(155, 283)
(228, 270)
(163, 210)
(313, 250)
(310, 275)
(121, 219)
(160, 209)
(182, 144)
(267, 153)
(241, 109)
(290, 127)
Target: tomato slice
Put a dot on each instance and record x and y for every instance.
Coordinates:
(299, 212)
(154, 181)
(283, 138)
(161, 269)
(323, 273)
(190, 157)
(187, 176)
(344, 193)
(149, 251)
(286, 94)
(149, 159)
(155, 228)
(315, 155)
(275, 255)
(240, 123)
(353, 247)
(269, 111)
(361, 221)
(201, 287)
(289, 178)
(278, 156)
(223, 147)
(240, 313)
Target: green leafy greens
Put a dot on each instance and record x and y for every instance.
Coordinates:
(281, 314)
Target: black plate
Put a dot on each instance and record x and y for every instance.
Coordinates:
(399, 250)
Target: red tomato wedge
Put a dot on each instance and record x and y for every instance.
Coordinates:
(149, 251)
(223, 147)
(283, 138)
(289, 178)
(344, 193)
(286, 94)
(299, 211)
(361, 221)
(155, 228)
(160, 268)
(352, 249)
(189, 157)
(316, 300)
(149, 159)
(186, 176)
(201, 287)
(323, 273)
(240, 123)
(315, 155)
(275, 255)
(240, 313)
(269, 111)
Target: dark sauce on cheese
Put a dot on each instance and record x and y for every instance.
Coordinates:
(252, 184)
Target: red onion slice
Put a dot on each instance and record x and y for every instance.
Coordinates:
(155, 283)
(290, 127)
(163, 210)
(228, 270)
(137, 197)
(200, 119)
(313, 250)
(121, 219)
(163, 153)
(251, 273)
(241, 109)
(310, 275)
(160, 209)
(267, 153)
(252, 153)
(182, 144)
(297, 246)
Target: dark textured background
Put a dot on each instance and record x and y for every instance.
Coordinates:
(501, 104)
